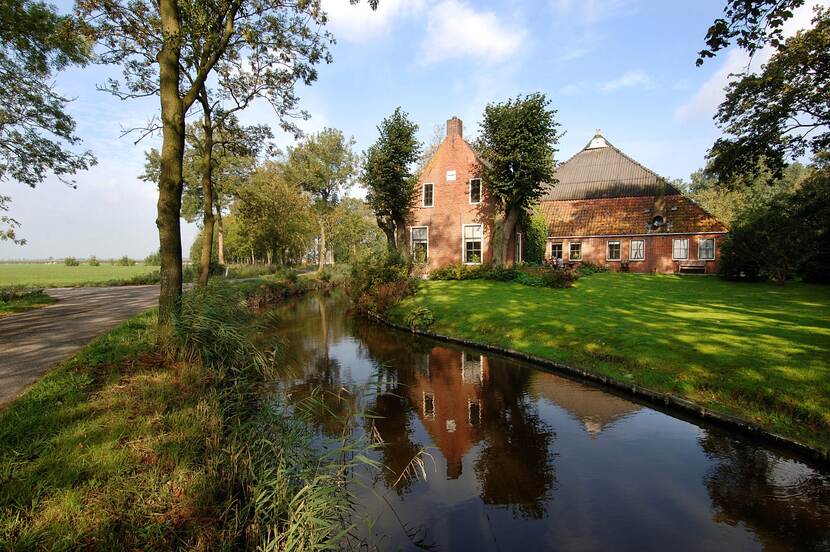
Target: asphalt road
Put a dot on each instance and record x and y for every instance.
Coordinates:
(33, 342)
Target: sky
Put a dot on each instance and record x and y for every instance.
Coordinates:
(624, 66)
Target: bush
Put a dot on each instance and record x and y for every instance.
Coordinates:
(586, 269)
(71, 261)
(459, 272)
(560, 278)
(536, 238)
(529, 280)
(153, 259)
(93, 261)
(419, 318)
(379, 284)
(124, 261)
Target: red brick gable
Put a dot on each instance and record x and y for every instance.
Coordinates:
(627, 215)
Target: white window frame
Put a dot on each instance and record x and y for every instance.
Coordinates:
(700, 244)
(561, 245)
(686, 258)
(608, 250)
(464, 244)
(518, 252)
(470, 191)
(570, 244)
(412, 240)
(631, 248)
(423, 195)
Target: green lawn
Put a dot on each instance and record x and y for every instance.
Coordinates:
(23, 302)
(758, 351)
(57, 275)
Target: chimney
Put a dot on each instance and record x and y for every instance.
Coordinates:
(454, 127)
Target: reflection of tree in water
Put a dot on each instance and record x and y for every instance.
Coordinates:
(515, 466)
(785, 504)
(395, 427)
(329, 404)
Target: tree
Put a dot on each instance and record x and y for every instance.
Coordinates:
(780, 113)
(389, 176)
(753, 24)
(37, 135)
(355, 234)
(517, 142)
(323, 165)
(169, 48)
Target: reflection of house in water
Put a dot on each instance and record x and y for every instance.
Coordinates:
(448, 395)
(594, 408)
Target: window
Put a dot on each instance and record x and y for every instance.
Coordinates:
(419, 236)
(614, 251)
(517, 254)
(575, 253)
(450, 176)
(475, 190)
(706, 249)
(429, 406)
(556, 251)
(472, 243)
(474, 411)
(638, 250)
(680, 249)
(471, 371)
(427, 195)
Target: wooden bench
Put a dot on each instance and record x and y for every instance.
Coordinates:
(691, 267)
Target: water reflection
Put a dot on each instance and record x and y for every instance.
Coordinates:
(525, 458)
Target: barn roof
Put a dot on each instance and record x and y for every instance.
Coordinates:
(600, 170)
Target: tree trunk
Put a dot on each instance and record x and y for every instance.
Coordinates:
(400, 238)
(220, 236)
(388, 228)
(321, 260)
(170, 176)
(508, 229)
(207, 189)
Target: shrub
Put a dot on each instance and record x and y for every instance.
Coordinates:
(419, 318)
(71, 261)
(153, 259)
(124, 261)
(459, 272)
(536, 238)
(93, 261)
(529, 280)
(562, 278)
(379, 284)
(586, 269)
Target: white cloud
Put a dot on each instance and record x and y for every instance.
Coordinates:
(456, 30)
(703, 104)
(629, 79)
(359, 23)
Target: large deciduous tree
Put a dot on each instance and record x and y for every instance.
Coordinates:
(517, 142)
(323, 165)
(389, 174)
(170, 48)
(37, 135)
(780, 113)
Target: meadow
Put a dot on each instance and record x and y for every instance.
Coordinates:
(60, 275)
(757, 351)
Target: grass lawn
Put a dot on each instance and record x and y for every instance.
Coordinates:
(23, 302)
(757, 351)
(58, 275)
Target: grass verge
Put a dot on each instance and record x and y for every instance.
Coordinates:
(123, 447)
(13, 302)
(756, 351)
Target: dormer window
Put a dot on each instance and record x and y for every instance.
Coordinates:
(475, 190)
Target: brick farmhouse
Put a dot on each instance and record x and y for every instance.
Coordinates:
(605, 208)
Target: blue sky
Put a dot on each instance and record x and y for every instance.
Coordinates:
(625, 66)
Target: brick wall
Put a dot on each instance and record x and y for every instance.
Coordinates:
(658, 252)
(451, 208)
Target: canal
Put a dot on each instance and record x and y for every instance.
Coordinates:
(519, 458)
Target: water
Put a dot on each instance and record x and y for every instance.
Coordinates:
(519, 458)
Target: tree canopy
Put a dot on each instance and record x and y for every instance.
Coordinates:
(389, 174)
(517, 142)
(781, 113)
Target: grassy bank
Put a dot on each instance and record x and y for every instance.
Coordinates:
(757, 351)
(126, 446)
(13, 302)
(59, 275)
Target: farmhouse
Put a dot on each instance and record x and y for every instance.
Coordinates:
(604, 208)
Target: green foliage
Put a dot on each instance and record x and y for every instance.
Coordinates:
(355, 234)
(587, 268)
(124, 261)
(527, 279)
(528, 276)
(559, 278)
(71, 261)
(93, 261)
(783, 236)
(780, 113)
(388, 173)
(153, 259)
(419, 318)
(380, 283)
(536, 238)
(15, 300)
